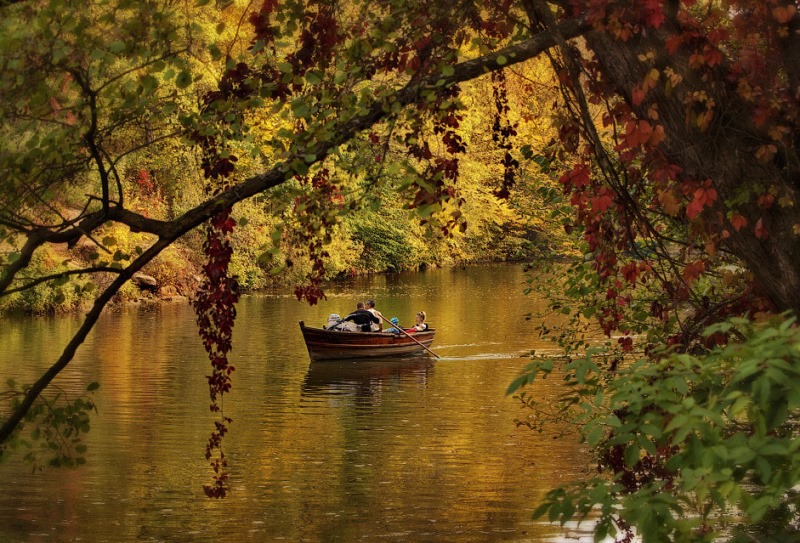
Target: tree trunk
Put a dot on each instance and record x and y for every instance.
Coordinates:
(723, 153)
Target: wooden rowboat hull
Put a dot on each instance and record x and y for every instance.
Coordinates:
(329, 345)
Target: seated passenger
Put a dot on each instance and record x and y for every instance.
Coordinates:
(333, 320)
(394, 329)
(369, 305)
(362, 318)
(421, 325)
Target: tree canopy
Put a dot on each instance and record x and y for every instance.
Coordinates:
(674, 144)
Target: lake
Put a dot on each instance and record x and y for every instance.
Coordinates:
(418, 449)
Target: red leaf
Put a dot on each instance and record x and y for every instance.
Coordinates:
(576, 178)
(630, 271)
(601, 203)
(738, 221)
(704, 196)
(637, 96)
(692, 271)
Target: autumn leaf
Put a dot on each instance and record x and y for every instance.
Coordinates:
(765, 201)
(693, 270)
(704, 196)
(669, 202)
(630, 271)
(637, 95)
(601, 203)
(738, 221)
(765, 153)
(784, 14)
(575, 178)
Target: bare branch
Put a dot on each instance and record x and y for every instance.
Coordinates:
(52, 277)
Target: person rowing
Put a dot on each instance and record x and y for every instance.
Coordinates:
(362, 318)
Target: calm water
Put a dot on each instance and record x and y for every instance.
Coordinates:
(405, 450)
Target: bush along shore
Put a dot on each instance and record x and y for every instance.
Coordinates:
(175, 275)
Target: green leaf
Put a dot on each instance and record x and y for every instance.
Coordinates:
(93, 386)
(595, 435)
(631, 455)
(184, 79)
(314, 77)
(116, 47)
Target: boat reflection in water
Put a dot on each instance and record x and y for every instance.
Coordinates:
(365, 378)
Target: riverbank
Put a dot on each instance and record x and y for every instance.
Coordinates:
(173, 276)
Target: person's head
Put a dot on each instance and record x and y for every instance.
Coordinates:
(370, 304)
(421, 317)
(395, 321)
(360, 305)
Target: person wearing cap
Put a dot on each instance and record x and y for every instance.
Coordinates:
(394, 329)
(333, 320)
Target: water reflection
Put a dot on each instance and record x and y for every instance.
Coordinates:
(415, 449)
(339, 376)
(365, 381)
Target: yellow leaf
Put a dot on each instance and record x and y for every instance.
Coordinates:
(765, 153)
(669, 201)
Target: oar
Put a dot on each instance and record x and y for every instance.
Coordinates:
(409, 335)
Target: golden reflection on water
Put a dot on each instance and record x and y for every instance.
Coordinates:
(400, 450)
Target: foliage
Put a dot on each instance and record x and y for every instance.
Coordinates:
(675, 240)
(51, 431)
(693, 445)
(58, 295)
(663, 136)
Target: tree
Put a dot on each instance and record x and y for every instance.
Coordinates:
(677, 137)
(678, 193)
(85, 82)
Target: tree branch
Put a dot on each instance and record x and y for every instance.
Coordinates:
(51, 277)
(69, 351)
(170, 231)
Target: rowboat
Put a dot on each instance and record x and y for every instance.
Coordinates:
(329, 344)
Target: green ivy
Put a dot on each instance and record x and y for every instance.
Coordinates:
(51, 433)
(694, 447)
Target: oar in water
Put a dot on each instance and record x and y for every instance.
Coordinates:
(409, 335)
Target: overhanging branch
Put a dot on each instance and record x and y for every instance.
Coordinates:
(168, 232)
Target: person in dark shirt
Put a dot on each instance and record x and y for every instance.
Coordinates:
(363, 318)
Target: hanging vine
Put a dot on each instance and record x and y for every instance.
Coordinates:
(215, 307)
(217, 294)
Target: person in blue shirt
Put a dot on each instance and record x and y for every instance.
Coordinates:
(394, 329)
